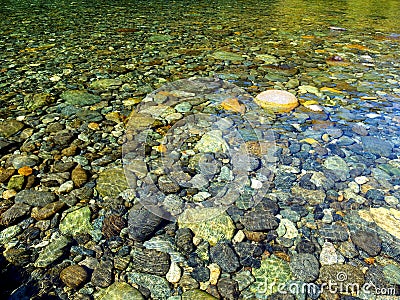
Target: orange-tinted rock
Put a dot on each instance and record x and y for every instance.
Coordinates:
(73, 276)
(26, 171)
(277, 101)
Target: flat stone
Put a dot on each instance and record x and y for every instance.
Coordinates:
(111, 182)
(328, 255)
(35, 198)
(10, 127)
(386, 219)
(377, 146)
(142, 224)
(52, 252)
(150, 261)
(259, 220)
(224, 55)
(158, 286)
(105, 83)
(5, 174)
(7, 234)
(212, 141)
(367, 241)
(341, 274)
(47, 211)
(35, 101)
(277, 101)
(338, 165)
(20, 161)
(305, 267)
(392, 273)
(334, 232)
(228, 288)
(224, 256)
(210, 224)
(79, 98)
(73, 276)
(102, 274)
(14, 213)
(77, 222)
(119, 291)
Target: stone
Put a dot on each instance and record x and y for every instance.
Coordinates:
(5, 174)
(228, 288)
(276, 101)
(35, 198)
(334, 232)
(198, 295)
(210, 224)
(105, 83)
(224, 256)
(341, 275)
(112, 225)
(212, 141)
(47, 211)
(102, 274)
(328, 255)
(35, 101)
(79, 176)
(111, 182)
(273, 273)
(25, 171)
(18, 256)
(168, 185)
(20, 161)
(16, 182)
(224, 55)
(368, 241)
(52, 252)
(386, 219)
(259, 220)
(392, 273)
(73, 276)
(10, 127)
(287, 229)
(338, 165)
(150, 261)
(249, 254)
(184, 240)
(174, 273)
(120, 291)
(77, 222)
(305, 267)
(79, 98)
(158, 286)
(14, 213)
(377, 146)
(142, 223)
(313, 197)
(8, 233)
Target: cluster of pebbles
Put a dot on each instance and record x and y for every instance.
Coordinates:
(114, 184)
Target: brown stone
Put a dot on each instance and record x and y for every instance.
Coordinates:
(5, 174)
(47, 211)
(112, 225)
(79, 176)
(73, 276)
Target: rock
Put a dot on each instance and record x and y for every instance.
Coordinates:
(10, 127)
(79, 98)
(120, 291)
(73, 276)
(377, 146)
(18, 256)
(5, 174)
(224, 55)
(197, 294)
(150, 261)
(14, 213)
(35, 101)
(305, 267)
(328, 255)
(367, 241)
(16, 182)
(259, 220)
(338, 165)
(348, 250)
(212, 141)
(184, 240)
(341, 275)
(387, 219)
(63, 138)
(276, 101)
(224, 256)
(35, 198)
(210, 224)
(187, 282)
(105, 84)
(248, 254)
(228, 288)
(313, 197)
(392, 273)
(174, 273)
(7, 234)
(201, 274)
(158, 286)
(111, 182)
(335, 233)
(25, 171)
(142, 223)
(52, 252)
(112, 225)
(77, 222)
(287, 229)
(102, 274)
(273, 273)
(21, 161)
(47, 211)
(168, 185)
(79, 176)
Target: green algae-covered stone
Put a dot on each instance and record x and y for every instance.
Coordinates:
(105, 83)
(52, 252)
(158, 286)
(77, 222)
(120, 291)
(210, 224)
(10, 127)
(197, 294)
(273, 274)
(111, 182)
(81, 98)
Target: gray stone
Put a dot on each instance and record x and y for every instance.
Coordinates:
(158, 286)
(335, 233)
(223, 255)
(368, 241)
(35, 198)
(305, 267)
(102, 274)
(52, 252)
(377, 146)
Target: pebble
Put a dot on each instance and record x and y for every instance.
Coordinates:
(142, 224)
(184, 240)
(150, 261)
(305, 267)
(112, 225)
(54, 250)
(35, 198)
(228, 288)
(14, 213)
(223, 255)
(259, 220)
(77, 222)
(174, 273)
(328, 254)
(120, 290)
(158, 286)
(102, 274)
(73, 276)
(197, 294)
(47, 211)
(79, 176)
(368, 241)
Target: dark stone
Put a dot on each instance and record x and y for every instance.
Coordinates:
(150, 261)
(284, 181)
(376, 145)
(142, 224)
(112, 225)
(168, 185)
(228, 288)
(102, 274)
(305, 246)
(305, 267)
(184, 240)
(201, 274)
(259, 220)
(305, 182)
(223, 255)
(247, 254)
(367, 241)
(335, 233)
(14, 213)
(194, 260)
(375, 195)
(35, 198)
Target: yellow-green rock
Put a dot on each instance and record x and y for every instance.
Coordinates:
(197, 294)
(120, 291)
(111, 182)
(387, 219)
(77, 222)
(210, 224)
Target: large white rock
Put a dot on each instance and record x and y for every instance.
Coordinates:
(277, 100)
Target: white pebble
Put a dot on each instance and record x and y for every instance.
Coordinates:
(174, 274)
(361, 179)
